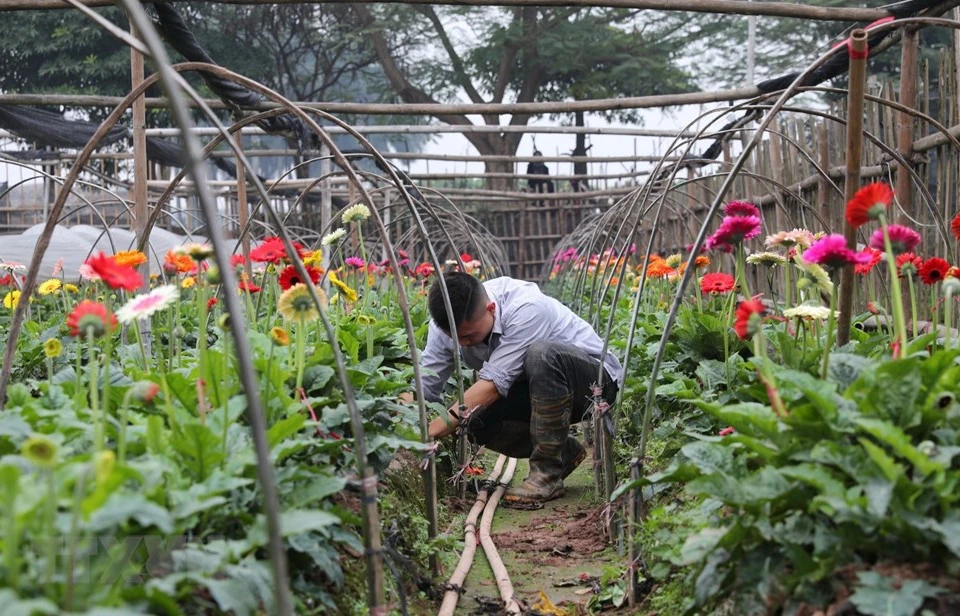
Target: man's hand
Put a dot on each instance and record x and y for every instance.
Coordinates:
(481, 394)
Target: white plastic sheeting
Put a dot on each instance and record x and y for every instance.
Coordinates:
(75, 244)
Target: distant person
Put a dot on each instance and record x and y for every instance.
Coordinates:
(538, 168)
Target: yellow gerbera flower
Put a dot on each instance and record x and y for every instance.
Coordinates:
(40, 450)
(279, 336)
(314, 258)
(50, 286)
(72, 288)
(295, 304)
(11, 299)
(345, 290)
(188, 282)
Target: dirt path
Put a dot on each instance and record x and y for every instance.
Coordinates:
(553, 550)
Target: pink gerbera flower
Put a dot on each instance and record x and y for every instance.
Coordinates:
(902, 239)
(740, 208)
(143, 306)
(734, 230)
(356, 262)
(831, 251)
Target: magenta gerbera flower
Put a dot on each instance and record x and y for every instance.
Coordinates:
(740, 208)
(832, 252)
(902, 239)
(734, 230)
(356, 262)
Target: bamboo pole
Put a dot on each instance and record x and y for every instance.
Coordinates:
(140, 214)
(823, 190)
(858, 75)
(413, 129)
(908, 97)
(600, 104)
(724, 7)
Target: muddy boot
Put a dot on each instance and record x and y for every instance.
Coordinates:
(549, 429)
(573, 455)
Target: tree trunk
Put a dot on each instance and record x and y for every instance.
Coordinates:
(580, 168)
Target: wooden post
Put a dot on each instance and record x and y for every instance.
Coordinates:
(908, 97)
(140, 213)
(776, 168)
(823, 191)
(243, 212)
(521, 243)
(858, 74)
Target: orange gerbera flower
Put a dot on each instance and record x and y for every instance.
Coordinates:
(702, 261)
(182, 263)
(132, 258)
(659, 268)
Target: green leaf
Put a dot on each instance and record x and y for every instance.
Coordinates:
(893, 436)
(749, 418)
(816, 476)
(316, 377)
(232, 596)
(708, 457)
(316, 489)
(14, 606)
(699, 544)
(121, 508)
(199, 448)
(285, 428)
(887, 465)
(292, 522)
(882, 596)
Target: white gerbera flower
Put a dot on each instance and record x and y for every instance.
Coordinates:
(12, 266)
(142, 306)
(333, 237)
(808, 311)
(768, 259)
(355, 213)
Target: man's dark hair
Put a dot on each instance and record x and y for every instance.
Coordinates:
(467, 298)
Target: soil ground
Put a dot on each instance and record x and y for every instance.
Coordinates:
(555, 550)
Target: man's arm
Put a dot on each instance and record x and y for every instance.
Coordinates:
(483, 393)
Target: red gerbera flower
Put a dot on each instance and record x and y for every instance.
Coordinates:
(908, 264)
(424, 269)
(466, 257)
(213, 301)
(290, 277)
(90, 317)
(249, 287)
(746, 323)
(869, 260)
(236, 260)
(955, 226)
(718, 283)
(271, 250)
(116, 276)
(869, 203)
(934, 270)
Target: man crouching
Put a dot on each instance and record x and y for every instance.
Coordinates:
(537, 362)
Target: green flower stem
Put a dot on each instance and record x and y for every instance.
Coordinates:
(913, 302)
(263, 291)
(170, 342)
(51, 519)
(897, 295)
(935, 300)
(225, 397)
(78, 368)
(122, 438)
(95, 390)
(727, 318)
(742, 271)
(370, 340)
(107, 360)
(143, 348)
(11, 540)
(301, 326)
(49, 370)
(269, 385)
(948, 319)
(831, 323)
(788, 288)
(202, 329)
(75, 514)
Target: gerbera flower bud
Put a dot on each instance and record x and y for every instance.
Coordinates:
(279, 336)
(224, 321)
(213, 275)
(52, 347)
(90, 318)
(103, 465)
(40, 450)
(144, 391)
(749, 317)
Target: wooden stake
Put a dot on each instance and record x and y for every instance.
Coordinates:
(858, 75)
(908, 96)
